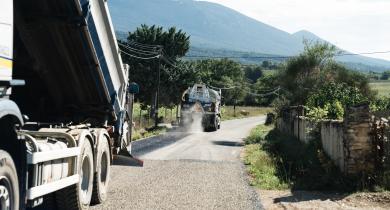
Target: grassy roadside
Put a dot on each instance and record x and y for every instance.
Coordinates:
(261, 165)
(276, 161)
(145, 133)
(243, 112)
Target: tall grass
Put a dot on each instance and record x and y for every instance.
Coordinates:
(278, 161)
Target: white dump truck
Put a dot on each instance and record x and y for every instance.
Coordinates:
(63, 102)
(203, 102)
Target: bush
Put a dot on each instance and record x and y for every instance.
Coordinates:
(317, 113)
(335, 110)
(380, 104)
(332, 98)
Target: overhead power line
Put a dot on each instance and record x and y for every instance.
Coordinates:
(142, 52)
(138, 57)
(365, 53)
(274, 92)
(238, 57)
(144, 46)
(280, 57)
(224, 88)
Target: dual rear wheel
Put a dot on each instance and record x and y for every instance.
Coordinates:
(92, 187)
(93, 184)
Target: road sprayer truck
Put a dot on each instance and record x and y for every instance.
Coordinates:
(204, 103)
(63, 102)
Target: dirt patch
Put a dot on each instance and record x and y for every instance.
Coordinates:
(275, 200)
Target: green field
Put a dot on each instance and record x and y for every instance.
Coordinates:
(383, 87)
(243, 111)
(269, 72)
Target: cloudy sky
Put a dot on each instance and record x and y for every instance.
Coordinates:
(354, 25)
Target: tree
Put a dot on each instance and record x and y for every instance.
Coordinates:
(314, 69)
(303, 72)
(385, 75)
(265, 64)
(253, 73)
(223, 73)
(266, 84)
(174, 44)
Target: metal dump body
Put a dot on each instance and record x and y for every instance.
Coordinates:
(74, 57)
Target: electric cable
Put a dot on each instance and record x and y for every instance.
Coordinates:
(137, 57)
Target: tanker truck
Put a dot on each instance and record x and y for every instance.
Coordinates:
(63, 103)
(203, 103)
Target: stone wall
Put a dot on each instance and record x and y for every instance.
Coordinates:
(348, 143)
(358, 156)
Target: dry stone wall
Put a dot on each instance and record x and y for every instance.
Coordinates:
(348, 143)
(357, 141)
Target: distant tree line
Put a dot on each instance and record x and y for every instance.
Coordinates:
(176, 75)
(312, 78)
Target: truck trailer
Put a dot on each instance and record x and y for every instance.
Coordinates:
(200, 101)
(64, 102)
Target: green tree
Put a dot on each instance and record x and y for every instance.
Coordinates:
(315, 69)
(253, 73)
(223, 73)
(303, 72)
(173, 44)
(385, 75)
(265, 64)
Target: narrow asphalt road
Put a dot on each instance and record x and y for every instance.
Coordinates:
(199, 171)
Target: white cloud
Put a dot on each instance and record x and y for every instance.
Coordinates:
(354, 25)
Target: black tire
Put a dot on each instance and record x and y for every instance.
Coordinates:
(78, 197)
(214, 124)
(102, 176)
(9, 186)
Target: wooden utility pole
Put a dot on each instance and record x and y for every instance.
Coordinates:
(157, 92)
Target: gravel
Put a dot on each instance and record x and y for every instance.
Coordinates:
(189, 170)
(180, 184)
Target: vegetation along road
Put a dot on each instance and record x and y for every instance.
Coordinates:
(203, 170)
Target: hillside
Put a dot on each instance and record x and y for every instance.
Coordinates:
(213, 26)
(356, 61)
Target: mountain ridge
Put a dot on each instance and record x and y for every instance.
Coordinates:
(214, 26)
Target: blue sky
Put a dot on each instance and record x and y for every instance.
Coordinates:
(353, 25)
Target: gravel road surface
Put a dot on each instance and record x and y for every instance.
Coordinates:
(201, 170)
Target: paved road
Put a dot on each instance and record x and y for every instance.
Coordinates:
(198, 171)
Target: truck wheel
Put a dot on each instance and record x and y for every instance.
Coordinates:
(9, 186)
(102, 176)
(214, 124)
(79, 196)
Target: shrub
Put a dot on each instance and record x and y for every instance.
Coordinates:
(317, 113)
(335, 110)
(333, 98)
